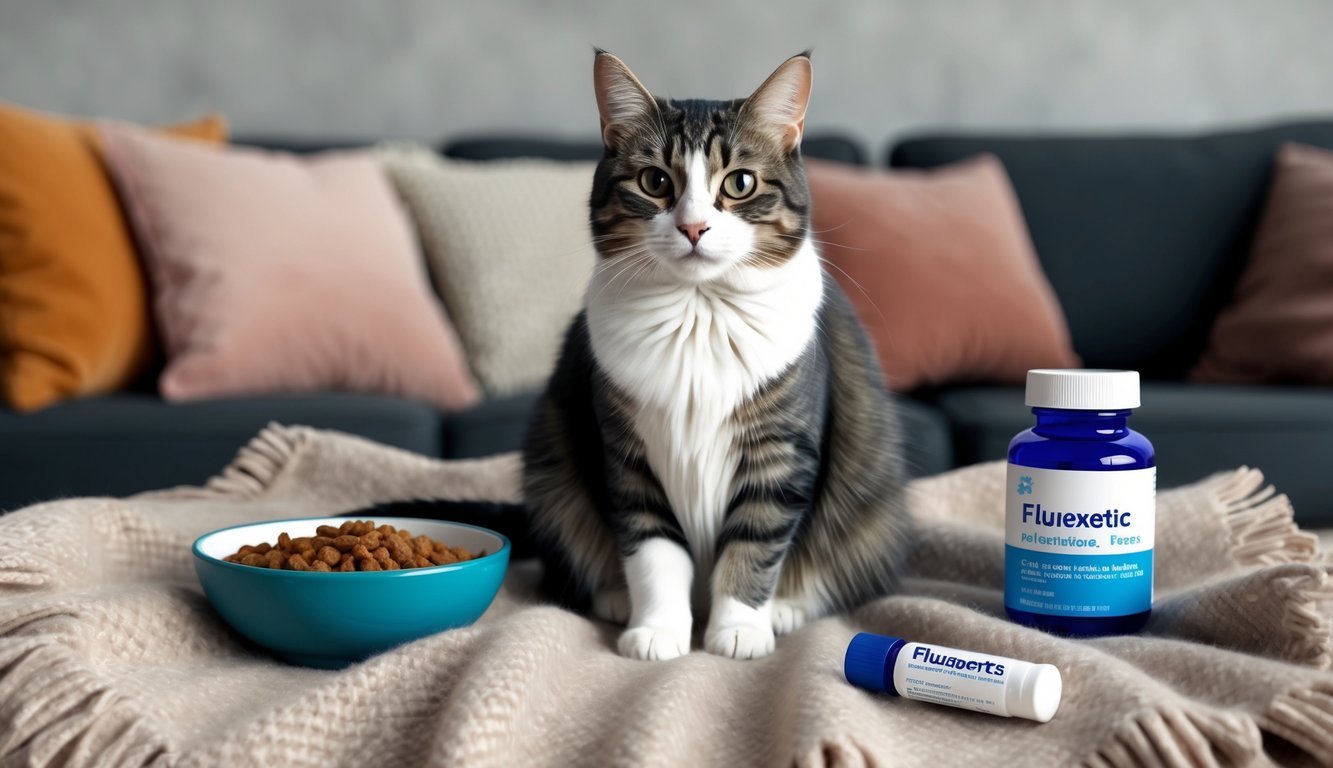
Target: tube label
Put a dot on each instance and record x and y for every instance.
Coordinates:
(1079, 543)
(953, 677)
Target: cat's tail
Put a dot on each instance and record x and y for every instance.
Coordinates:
(503, 517)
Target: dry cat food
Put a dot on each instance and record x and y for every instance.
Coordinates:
(356, 545)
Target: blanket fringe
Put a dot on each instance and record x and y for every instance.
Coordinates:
(1180, 737)
(1260, 521)
(1263, 532)
(1307, 619)
(1304, 717)
(54, 711)
(258, 463)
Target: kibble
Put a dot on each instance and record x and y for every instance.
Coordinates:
(356, 545)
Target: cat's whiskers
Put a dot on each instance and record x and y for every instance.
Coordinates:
(772, 259)
(595, 239)
(835, 228)
(839, 246)
(623, 269)
(615, 255)
(769, 257)
(647, 264)
(617, 259)
(640, 264)
(859, 287)
(624, 262)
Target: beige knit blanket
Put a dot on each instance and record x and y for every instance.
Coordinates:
(110, 655)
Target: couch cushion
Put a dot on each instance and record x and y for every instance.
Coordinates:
(122, 444)
(1142, 237)
(497, 425)
(1196, 429)
(300, 145)
(927, 440)
(825, 147)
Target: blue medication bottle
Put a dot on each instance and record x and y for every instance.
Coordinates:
(1080, 507)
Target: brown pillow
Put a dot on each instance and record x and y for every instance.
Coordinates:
(1279, 326)
(74, 316)
(941, 270)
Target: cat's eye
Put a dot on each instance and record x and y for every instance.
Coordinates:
(655, 182)
(738, 185)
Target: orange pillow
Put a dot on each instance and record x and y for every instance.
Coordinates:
(74, 317)
(1278, 328)
(941, 270)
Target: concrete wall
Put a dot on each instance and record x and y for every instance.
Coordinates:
(413, 68)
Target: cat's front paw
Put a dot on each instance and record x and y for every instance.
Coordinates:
(743, 642)
(788, 617)
(654, 643)
(611, 605)
(740, 631)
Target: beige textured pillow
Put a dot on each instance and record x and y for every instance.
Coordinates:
(509, 248)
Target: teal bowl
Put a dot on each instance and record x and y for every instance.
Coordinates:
(330, 620)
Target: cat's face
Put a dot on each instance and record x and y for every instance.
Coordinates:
(693, 191)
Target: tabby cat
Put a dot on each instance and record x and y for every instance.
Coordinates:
(716, 438)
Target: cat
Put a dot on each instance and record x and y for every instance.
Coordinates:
(716, 438)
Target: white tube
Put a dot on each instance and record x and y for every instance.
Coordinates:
(996, 685)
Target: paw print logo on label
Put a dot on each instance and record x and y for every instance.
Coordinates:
(1024, 485)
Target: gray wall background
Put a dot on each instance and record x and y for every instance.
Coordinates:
(422, 69)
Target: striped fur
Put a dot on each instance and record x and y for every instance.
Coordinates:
(717, 421)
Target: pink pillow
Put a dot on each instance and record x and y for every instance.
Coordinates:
(941, 271)
(273, 273)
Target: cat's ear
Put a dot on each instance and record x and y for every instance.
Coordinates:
(621, 99)
(778, 106)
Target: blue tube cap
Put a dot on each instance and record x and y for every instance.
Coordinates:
(868, 662)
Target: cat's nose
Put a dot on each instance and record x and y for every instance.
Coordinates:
(693, 232)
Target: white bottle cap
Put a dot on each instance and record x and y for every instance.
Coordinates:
(1035, 693)
(1083, 389)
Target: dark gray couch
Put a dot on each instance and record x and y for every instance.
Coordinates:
(1142, 238)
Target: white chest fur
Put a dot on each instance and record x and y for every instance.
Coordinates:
(690, 355)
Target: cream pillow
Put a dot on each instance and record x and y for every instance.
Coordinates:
(509, 249)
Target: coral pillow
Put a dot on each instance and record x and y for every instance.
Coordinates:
(1279, 326)
(74, 316)
(273, 273)
(941, 270)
